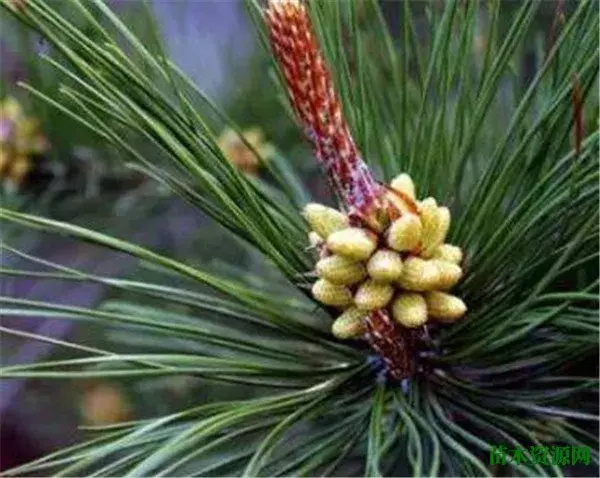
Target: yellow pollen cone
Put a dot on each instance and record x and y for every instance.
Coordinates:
(448, 253)
(429, 220)
(341, 270)
(444, 307)
(240, 149)
(332, 294)
(427, 208)
(372, 295)
(404, 184)
(418, 275)
(254, 136)
(353, 243)
(324, 220)
(19, 169)
(410, 310)
(448, 274)
(385, 266)
(435, 229)
(24, 134)
(405, 233)
(11, 109)
(104, 404)
(349, 325)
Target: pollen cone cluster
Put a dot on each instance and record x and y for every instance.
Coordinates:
(405, 268)
(20, 142)
(240, 154)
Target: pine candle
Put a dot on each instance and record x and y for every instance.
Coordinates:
(382, 260)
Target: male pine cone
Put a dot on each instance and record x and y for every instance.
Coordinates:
(405, 269)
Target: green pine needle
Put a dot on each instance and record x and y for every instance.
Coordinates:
(447, 101)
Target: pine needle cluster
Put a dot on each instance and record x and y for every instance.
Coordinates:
(510, 147)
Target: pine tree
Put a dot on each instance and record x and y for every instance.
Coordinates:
(438, 153)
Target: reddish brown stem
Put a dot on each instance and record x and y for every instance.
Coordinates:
(315, 102)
